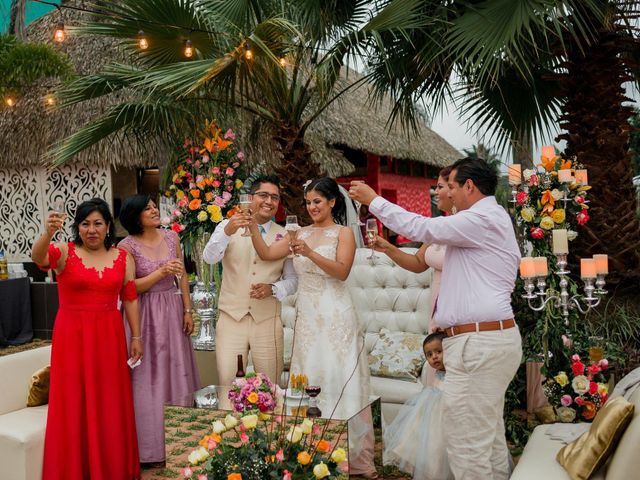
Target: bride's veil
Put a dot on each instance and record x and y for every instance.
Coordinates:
(352, 217)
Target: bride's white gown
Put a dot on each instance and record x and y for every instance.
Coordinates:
(328, 345)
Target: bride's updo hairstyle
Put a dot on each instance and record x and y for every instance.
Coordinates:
(328, 188)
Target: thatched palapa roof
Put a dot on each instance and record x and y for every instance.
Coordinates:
(29, 129)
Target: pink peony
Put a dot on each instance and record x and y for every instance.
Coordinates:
(604, 364)
(229, 135)
(566, 400)
(582, 217)
(577, 368)
(579, 401)
(521, 197)
(593, 369)
(537, 233)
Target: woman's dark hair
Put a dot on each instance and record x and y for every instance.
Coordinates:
(484, 176)
(433, 336)
(445, 172)
(130, 213)
(328, 188)
(85, 209)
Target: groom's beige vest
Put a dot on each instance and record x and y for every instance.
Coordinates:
(242, 267)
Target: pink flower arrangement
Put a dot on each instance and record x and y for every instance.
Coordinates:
(253, 392)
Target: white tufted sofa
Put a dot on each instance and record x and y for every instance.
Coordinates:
(385, 296)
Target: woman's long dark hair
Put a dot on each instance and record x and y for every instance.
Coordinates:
(328, 188)
(85, 209)
(130, 213)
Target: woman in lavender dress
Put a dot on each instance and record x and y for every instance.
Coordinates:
(168, 371)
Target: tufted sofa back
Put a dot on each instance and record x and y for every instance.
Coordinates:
(384, 295)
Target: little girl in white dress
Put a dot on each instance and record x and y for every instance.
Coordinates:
(413, 441)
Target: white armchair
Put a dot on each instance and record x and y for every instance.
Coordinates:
(385, 296)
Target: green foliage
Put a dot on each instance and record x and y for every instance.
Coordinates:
(22, 64)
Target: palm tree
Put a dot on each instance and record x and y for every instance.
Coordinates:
(17, 15)
(279, 61)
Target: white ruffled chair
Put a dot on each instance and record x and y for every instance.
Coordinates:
(385, 297)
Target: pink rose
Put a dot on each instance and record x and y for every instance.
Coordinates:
(215, 170)
(229, 135)
(219, 201)
(244, 438)
(286, 475)
(165, 221)
(176, 227)
(187, 472)
(197, 164)
(211, 444)
(604, 364)
(521, 198)
(575, 357)
(593, 369)
(189, 161)
(226, 197)
(177, 213)
(582, 217)
(580, 199)
(187, 142)
(537, 233)
(203, 477)
(229, 171)
(199, 178)
(593, 388)
(579, 401)
(205, 158)
(566, 400)
(183, 201)
(240, 156)
(192, 185)
(566, 341)
(280, 455)
(533, 180)
(235, 164)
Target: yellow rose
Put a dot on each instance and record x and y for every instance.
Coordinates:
(252, 397)
(321, 471)
(250, 421)
(202, 216)
(239, 184)
(218, 427)
(603, 388)
(307, 425)
(339, 455)
(230, 421)
(558, 215)
(561, 379)
(265, 417)
(294, 435)
(215, 213)
(179, 194)
(546, 223)
(527, 214)
(198, 456)
(304, 458)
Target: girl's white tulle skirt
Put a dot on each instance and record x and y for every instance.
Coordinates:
(414, 443)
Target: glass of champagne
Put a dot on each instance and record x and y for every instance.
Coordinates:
(358, 207)
(372, 231)
(292, 228)
(177, 278)
(245, 204)
(58, 210)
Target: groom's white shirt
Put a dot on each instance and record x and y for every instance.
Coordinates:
(217, 245)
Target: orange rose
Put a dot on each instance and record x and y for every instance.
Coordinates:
(234, 476)
(252, 397)
(195, 204)
(304, 458)
(233, 211)
(323, 446)
(208, 196)
(195, 193)
(589, 410)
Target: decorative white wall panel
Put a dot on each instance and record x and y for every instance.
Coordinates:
(28, 193)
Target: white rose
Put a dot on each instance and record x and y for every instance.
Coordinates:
(527, 174)
(230, 421)
(250, 421)
(218, 427)
(580, 384)
(572, 235)
(307, 425)
(556, 194)
(198, 456)
(294, 435)
(566, 414)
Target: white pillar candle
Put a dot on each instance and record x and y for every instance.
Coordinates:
(602, 263)
(564, 176)
(540, 264)
(587, 268)
(560, 241)
(527, 267)
(548, 151)
(515, 174)
(582, 177)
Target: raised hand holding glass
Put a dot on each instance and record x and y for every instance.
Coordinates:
(245, 204)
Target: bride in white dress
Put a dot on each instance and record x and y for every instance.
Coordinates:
(328, 343)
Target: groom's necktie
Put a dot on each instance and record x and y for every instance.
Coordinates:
(263, 232)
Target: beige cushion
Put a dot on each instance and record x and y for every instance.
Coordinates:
(39, 388)
(589, 452)
(625, 461)
(397, 355)
(22, 443)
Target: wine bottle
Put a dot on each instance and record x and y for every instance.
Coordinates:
(4, 268)
(240, 372)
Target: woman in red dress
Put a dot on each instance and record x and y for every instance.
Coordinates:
(91, 431)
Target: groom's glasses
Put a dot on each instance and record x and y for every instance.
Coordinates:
(264, 195)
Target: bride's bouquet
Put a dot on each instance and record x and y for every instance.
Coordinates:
(253, 392)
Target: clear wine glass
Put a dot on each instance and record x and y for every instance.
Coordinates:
(292, 227)
(177, 278)
(57, 209)
(358, 206)
(372, 231)
(245, 204)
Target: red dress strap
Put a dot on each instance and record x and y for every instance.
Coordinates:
(129, 291)
(54, 255)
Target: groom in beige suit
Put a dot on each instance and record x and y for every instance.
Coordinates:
(252, 288)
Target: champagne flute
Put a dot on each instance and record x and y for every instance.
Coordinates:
(358, 207)
(372, 231)
(59, 211)
(292, 228)
(245, 204)
(177, 279)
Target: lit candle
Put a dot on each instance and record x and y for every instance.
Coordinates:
(564, 176)
(602, 263)
(560, 241)
(540, 264)
(548, 151)
(527, 267)
(581, 177)
(515, 174)
(587, 268)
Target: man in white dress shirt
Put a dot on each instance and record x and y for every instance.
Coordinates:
(251, 290)
(483, 349)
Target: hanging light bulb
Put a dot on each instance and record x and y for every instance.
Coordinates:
(283, 62)
(248, 54)
(188, 49)
(50, 100)
(143, 43)
(9, 101)
(58, 34)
